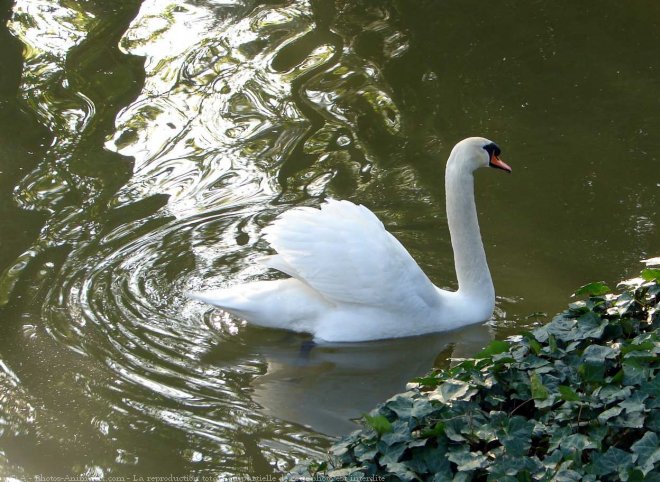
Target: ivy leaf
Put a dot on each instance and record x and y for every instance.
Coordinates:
(577, 442)
(445, 476)
(597, 288)
(401, 405)
(379, 423)
(429, 381)
(590, 325)
(565, 475)
(557, 436)
(646, 451)
(435, 459)
(568, 394)
(421, 408)
(612, 393)
(598, 353)
(437, 429)
(651, 274)
(643, 346)
(391, 454)
(487, 431)
(653, 421)
(517, 436)
(495, 347)
(452, 390)
(467, 460)
(613, 461)
(534, 345)
(560, 327)
(618, 377)
(340, 448)
(634, 373)
(365, 452)
(398, 433)
(539, 392)
(597, 433)
(401, 471)
(630, 420)
(455, 428)
(609, 413)
(652, 388)
(592, 372)
(513, 469)
(635, 403)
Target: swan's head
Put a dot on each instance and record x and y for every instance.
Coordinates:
(475, 152)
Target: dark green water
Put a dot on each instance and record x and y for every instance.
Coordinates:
(143, 145)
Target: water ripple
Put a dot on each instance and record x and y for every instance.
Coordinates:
(245, 109)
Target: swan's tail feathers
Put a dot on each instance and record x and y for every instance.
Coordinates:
(286, 303)
(227, 299)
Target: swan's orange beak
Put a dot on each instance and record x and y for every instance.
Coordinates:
(498, 163)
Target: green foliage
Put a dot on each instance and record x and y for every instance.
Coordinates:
(577, 399)
(651, 274)
(597, 288)
(379, 423)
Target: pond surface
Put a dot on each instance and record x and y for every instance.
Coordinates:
(143, 146)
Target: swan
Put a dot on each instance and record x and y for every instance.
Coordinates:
(351, 280)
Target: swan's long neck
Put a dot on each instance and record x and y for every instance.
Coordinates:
(469, 257)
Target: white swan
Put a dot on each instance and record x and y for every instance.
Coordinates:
(351, 280)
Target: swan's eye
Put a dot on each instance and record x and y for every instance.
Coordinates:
(494, 152)
(492, 149)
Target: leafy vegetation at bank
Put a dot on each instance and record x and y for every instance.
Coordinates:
(576, 399)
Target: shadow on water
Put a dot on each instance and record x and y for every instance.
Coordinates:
(329, 387)
(22, 142)
(143, 146)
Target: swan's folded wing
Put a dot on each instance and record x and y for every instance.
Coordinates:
(344, 252)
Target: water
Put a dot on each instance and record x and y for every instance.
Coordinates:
(143, 145)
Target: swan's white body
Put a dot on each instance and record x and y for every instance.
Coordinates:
(351, 280)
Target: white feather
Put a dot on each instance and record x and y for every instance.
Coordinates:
(344, 253)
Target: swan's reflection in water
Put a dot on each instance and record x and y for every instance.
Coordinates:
(328, 387)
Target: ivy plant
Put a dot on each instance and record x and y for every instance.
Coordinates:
(576, 399)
